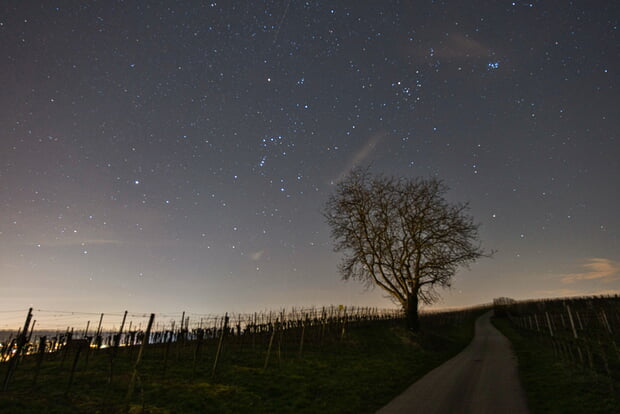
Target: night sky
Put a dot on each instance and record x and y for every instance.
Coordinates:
(168, 156)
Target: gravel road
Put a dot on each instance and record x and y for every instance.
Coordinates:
(481, 379)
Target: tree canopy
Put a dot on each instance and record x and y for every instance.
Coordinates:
(401, 235)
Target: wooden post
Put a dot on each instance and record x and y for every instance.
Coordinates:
(579, 321)
(323, 322)
(117, 342)
(572, 324)
(144, 343)
(40, 355)
(21, 341)
(167, 348)
(273, 333)
(219, 346)
(199, 339)
(79, 344)
(86, 330)
(31, 330)
(182, 327)
(98, 339)
(303, 331)
(549, 324)
(344, 325)
(606, 321)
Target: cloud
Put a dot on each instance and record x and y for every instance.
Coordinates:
(595, 269)
(361, 154)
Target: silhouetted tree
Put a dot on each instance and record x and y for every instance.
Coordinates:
(401, 235)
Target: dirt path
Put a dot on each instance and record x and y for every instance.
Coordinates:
(481, 379)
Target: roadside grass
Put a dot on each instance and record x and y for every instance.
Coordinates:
(554, 386)
(359, 374)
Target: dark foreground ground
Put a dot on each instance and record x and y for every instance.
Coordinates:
(357, 373)
(481, 379)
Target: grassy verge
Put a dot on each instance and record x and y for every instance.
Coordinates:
(553, 386)
(357, 375)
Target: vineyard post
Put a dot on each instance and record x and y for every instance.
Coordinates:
(117, 342)
(303, 331)
(254, 333)
(273, 333)
(167, 348)
(219, 345)
(344, 324)
(239, 335)
(86, 330)
(572, 323)
(282, 329)
(182, 322)
(606, 321)
(323, 322)
(40, 355)
(31, 331)
(199, 339)
(145, 341)
(65, 349)
(98, 334)
(185, 334)
(549, 324)
(180, 336)
(80, 344)
(579, 321)
(129, 339)
(21, 341)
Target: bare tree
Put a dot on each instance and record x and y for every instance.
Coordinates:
(401, 235)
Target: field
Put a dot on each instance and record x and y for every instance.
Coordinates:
(569, 359)
(334, 361)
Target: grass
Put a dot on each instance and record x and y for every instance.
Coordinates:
(554, 386)
(368, 368)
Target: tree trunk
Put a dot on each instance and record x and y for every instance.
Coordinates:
(411, 313)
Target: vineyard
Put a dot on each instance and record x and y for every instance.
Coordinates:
(583, 331)
(121, 364)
